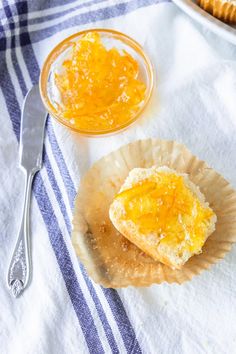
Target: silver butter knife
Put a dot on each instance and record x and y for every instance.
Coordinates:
(33, 120)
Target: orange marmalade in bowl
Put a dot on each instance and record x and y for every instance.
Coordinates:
(96, 82)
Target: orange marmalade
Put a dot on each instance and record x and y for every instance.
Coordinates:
(165, 206)
(98, 87)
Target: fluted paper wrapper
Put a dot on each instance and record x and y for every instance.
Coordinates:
(222, 9)
(109, 258)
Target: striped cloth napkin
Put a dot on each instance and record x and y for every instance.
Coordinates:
(63, 311)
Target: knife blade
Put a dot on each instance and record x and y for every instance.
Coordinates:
(32, 130)
(33, 118)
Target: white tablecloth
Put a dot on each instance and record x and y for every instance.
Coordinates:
(194, 103)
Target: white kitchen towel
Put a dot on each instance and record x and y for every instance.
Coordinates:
(194, 102)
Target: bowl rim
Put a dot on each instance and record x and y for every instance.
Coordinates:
(61, 46)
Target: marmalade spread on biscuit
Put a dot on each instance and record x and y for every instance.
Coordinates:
(98, 87)
(165, 206)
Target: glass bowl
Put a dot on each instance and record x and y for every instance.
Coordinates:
(111, 39)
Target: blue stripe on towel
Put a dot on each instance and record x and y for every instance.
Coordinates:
(98, 305)
(82, 19)
(45, 206)
(56, 238)
(126, 331)
(33, 69)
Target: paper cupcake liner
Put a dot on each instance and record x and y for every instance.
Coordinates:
(109, 258)
(224, 10)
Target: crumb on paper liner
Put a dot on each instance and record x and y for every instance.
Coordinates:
(109, 258)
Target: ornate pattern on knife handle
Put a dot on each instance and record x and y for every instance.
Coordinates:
(20, 266)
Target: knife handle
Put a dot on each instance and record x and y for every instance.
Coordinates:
(20, 266)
